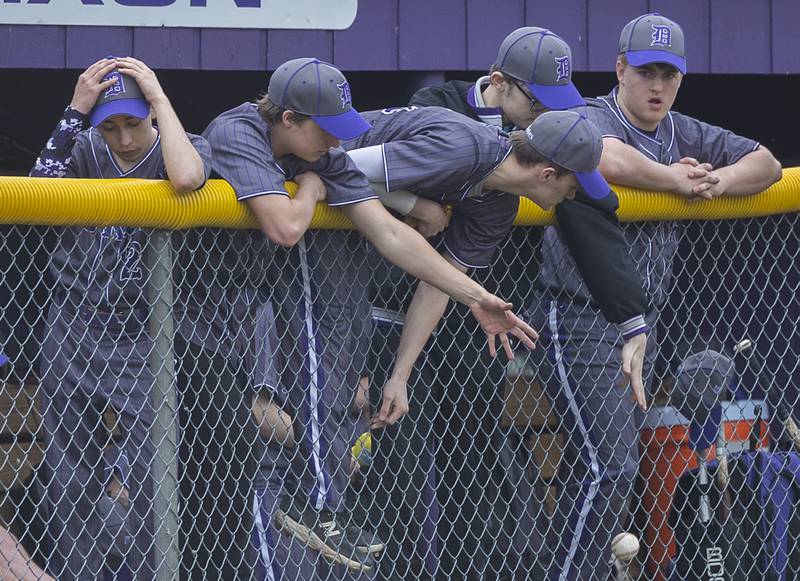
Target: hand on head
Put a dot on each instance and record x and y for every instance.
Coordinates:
(91, 84)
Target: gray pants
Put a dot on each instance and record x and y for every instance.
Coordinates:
(581, 376)
(323, 321)
(91, 360)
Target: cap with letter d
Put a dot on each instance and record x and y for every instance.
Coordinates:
(319, 90)
(543, 60)
(653, 38)
(570, 140)
(124, 97)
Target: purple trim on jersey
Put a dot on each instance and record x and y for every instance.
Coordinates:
(344, 126)
(617, 112)
(266, 193)
(640, 58)
(557, 97)
(351, 202)
(114, 161)
(481, 111)
(594, 184)
(633, 326)
(458, 260)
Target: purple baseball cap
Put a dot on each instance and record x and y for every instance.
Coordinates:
(122, 98)
(652, 38)
(570, 140)
(543, 61)
(319, 90)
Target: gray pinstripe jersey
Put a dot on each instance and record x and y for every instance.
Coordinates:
(114, 277)
(653, 244)
(445, 156)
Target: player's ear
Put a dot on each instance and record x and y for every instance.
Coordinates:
(498, 81)
(152, 114)
(620, 68)
(546, 173)
(287, 118)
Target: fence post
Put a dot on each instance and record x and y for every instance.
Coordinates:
(163, 399)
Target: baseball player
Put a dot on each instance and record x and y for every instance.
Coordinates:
(446, 157)
(96, 349)
(293, 133)
(648, 146)
(531, 75)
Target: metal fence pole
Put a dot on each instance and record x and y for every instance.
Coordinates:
(163, 398)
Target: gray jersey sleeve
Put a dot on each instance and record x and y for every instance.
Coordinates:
(242, 155)
(204, 150)
(344, 182)
(478, 227)
(709, 143)
(597, 112)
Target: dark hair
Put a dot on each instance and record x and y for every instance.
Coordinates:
(272, 113)
(527, 156)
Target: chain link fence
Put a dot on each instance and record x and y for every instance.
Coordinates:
(188, 429)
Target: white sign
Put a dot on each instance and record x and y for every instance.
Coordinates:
(307, 14)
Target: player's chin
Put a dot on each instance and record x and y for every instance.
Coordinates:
(313, 156)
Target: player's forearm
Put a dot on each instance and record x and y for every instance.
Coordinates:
(424, 313)
(753, 173)
(184, 165)
(52, 161)
(624, 165)
(282, 219)
(406, 248)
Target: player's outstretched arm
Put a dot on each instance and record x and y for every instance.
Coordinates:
(184, 166)
(406, 248)
(424, 313)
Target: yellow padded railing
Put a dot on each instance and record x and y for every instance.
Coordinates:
(154, 204)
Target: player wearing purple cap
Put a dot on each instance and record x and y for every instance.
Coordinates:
(97, 346)
(648, 146)
(531, 74)
(444, 156)
(294, 133)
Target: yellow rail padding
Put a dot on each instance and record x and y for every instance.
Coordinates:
(154, 204)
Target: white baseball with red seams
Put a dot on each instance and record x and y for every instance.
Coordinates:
(625, 546)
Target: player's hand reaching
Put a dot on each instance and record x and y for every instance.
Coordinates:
(632, 365)
(497, 321)
(395, 403)
(144, 76)
(90, 84)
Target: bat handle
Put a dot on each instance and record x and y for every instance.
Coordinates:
(705, 504)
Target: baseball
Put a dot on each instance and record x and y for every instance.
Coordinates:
(625, 547)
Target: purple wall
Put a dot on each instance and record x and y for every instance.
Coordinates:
(723, 36)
